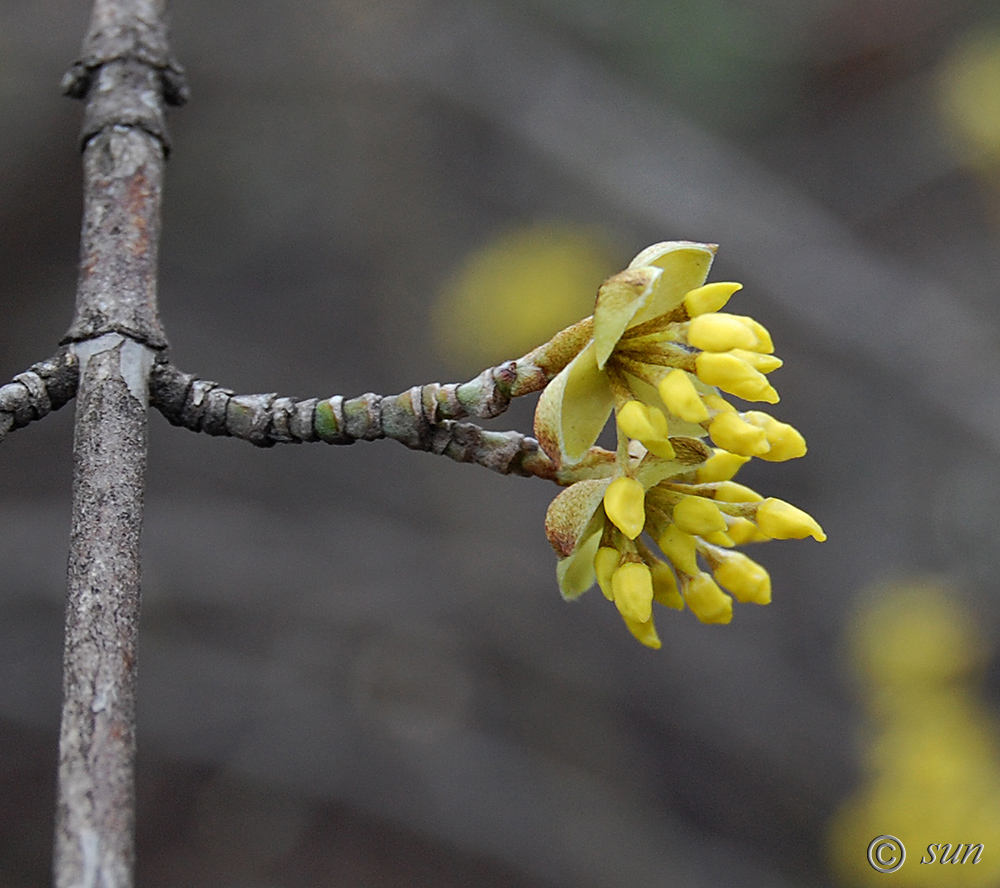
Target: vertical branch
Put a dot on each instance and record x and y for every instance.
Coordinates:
(96, 801)
(125, 75)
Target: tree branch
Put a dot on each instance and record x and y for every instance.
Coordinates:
(422, 418)
(123, 77)
(42, 388)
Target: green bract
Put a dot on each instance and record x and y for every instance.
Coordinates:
(575, 406)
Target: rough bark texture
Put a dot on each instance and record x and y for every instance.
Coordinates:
(43, 387)
(114, 331)
(123, 172)
(420, 418)
(95, 816)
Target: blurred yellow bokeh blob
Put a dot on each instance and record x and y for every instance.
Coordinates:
(519, 289)
(969, 90)
(931, 751)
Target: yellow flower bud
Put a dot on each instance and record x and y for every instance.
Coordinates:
(648, 425)
(783, 521)
(741, 531)
(720, 332)
(636, 420)
(731, 492)
(632, 584)
(761, 362)
(721, 466)
(679, 547)
(785, 440)
(710, 297)
(623, 504)
(644, 632)
(732, 433)
(708, 602)
(744, 577)
(665, 589)
(698, 515)
(681, 397)
(718, 403)
(733, 375)
(605, 563)
(765, 346)
(719, 538)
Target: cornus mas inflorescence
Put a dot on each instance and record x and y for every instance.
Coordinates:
(659, 521)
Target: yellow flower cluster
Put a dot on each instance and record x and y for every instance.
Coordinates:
(660, 355)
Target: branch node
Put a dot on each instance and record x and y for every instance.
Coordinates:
(175, 86)
(37, 392)
(193, 412)
(42, 388)
(304, 420)
(213, 420)
(402, 418)
(76, 81)
(488, 395)
(439, 402)
(124, 91)
(363, 417)
(248, 416)
(282, 410)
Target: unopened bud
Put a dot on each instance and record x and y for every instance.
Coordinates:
(744, 577)
(710, 297)
(742, 530)
(623, 503)
(718, 403)
(648, 425)
(765, 345)
(681, 397)
(699, 516)
(717, 332)
(708, 602)
(632, 584)
(733, 434)
(783, 521)
(721, 466)
(665, 589)
(785, 440)
(736, 376)
(731, 492)
(679, 547)
(719, 538)
(605, 563)
(644, 632)
(761, 362)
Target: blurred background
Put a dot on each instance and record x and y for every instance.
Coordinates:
(356, 669)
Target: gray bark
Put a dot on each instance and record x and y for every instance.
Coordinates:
(114, 334)
(42, 388)
(422, 418)
(95, 810)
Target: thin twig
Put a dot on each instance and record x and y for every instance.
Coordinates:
(420, 418)
(42, 388)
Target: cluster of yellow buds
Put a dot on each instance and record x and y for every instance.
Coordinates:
(659, 354)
